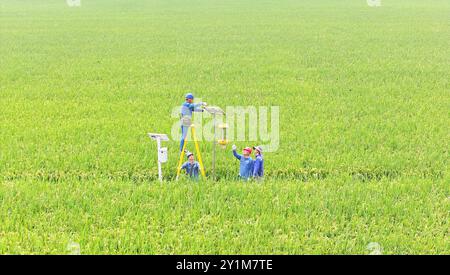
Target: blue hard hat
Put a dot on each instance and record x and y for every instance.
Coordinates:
(189, 96)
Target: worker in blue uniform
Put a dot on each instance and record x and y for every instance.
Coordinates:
(258, 166)
(245, 162)
(191, 166)
(186, 115)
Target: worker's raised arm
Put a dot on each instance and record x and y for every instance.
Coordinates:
(235, 153)
(197, 107)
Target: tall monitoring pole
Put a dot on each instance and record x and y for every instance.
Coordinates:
(213, 110)
(162, 151)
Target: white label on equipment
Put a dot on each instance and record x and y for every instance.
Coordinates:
(162, 155)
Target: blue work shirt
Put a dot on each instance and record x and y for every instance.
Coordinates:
(187, 108)
(246, 166)
(258, 167)
(192, 169)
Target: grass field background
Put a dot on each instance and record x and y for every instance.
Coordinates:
(364, 96)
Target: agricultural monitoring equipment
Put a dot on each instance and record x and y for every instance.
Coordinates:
(224, 141)
(214, 110)
(162, 151)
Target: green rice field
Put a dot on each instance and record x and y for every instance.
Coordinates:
(364, 113)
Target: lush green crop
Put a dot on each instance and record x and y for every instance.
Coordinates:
(364, 97)
(329, 216)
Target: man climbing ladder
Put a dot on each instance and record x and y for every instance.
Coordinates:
(186, 115)
(186, 122)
